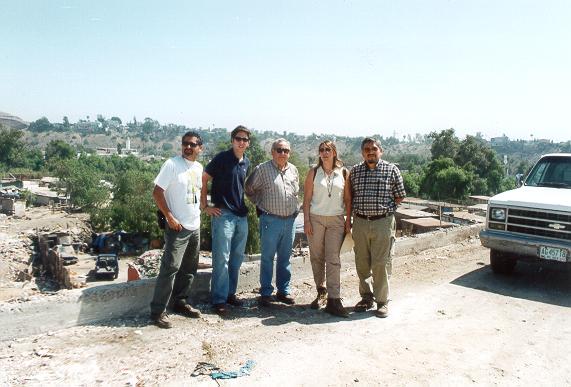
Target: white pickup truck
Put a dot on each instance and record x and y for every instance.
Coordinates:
(532, 222)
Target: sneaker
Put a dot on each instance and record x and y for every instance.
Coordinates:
(266, 301)
(364, 305)
(382, 310)
(320, 300)
(234, 301)
(285, 298)
(161, 320)
(186, 310)
(335, 308)
(220, 309)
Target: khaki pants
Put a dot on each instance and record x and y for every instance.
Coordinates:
(374, 240)
(324, 247)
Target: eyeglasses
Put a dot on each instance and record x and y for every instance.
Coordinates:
(242, 139)
(282, 150)
(322, 150)
(190, 143)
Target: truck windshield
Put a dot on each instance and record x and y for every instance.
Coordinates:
(551, 172)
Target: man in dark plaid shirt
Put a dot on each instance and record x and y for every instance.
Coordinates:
(376, 189)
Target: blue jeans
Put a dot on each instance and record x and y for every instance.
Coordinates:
(229, 236)
(277, 235)
(178, 268)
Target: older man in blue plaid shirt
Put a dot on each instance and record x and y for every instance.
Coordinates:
(376, 189)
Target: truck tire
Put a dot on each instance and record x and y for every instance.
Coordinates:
(500, 263)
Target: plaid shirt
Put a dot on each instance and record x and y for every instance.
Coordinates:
(272, 190)
(374, 190)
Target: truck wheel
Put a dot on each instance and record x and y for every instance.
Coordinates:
(501, 264)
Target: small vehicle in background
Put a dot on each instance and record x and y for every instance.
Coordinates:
(107, 265)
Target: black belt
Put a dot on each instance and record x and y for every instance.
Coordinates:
(373, 217)
(294, 215)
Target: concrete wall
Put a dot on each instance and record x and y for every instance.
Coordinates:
(94, 305)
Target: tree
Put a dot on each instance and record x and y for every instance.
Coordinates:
(442, 179)
(257, 156)
(444, 144)
(117, 120)
(133, 208)
(83, 184)
(11, 147)
(41, 125)
(58, 150)
(475, 155)
(412, 183)
(66, 124)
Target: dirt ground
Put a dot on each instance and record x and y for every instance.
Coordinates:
(452, 322)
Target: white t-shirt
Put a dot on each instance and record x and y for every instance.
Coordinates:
(182, 180)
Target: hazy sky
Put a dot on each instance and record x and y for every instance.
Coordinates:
(343, 67)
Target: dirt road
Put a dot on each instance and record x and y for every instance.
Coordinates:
(452, 322)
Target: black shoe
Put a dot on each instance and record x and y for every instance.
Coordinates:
(266, 301)
(161, 320)
(186, 310)
(234, 301)
(335, 308)
(220, 309)
(320, 300)
(364, 305)
(285, 298)
(382, 310)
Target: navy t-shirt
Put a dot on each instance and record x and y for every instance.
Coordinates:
(228, 176)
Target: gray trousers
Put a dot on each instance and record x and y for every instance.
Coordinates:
(178, 268)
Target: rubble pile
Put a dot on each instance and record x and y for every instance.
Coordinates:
(148, 263)
(15, 257)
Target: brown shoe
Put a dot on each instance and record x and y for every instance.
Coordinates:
(285, 298)
(266, 301)
(364, 305)
(220, 309)
(320, 300)
(234, 301)
(161, 320)
(335, 308)
(382, 310)
(186, 310)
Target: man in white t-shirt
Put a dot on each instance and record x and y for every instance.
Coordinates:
(177, 195)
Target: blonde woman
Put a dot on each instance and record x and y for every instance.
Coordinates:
(323, 209)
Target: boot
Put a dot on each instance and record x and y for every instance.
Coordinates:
(335, 308)
(320, 300)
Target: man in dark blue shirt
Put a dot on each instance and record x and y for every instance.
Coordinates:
(227, 170)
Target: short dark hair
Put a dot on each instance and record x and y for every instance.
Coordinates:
(371, 139)
(240, 128)
(192, 133)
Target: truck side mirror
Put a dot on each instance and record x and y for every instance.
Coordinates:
(519, 180)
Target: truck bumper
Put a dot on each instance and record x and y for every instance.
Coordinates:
(520, 245)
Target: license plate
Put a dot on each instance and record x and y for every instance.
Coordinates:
(553, 253)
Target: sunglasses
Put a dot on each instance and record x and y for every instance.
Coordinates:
(242, 139)
(321, 150)
(190, 143)
(282, 150)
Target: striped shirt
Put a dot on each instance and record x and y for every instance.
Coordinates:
(273, 190)
(374, 190)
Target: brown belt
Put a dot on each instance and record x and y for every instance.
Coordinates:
(373, 217)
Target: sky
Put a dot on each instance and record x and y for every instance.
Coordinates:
(349, 68)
